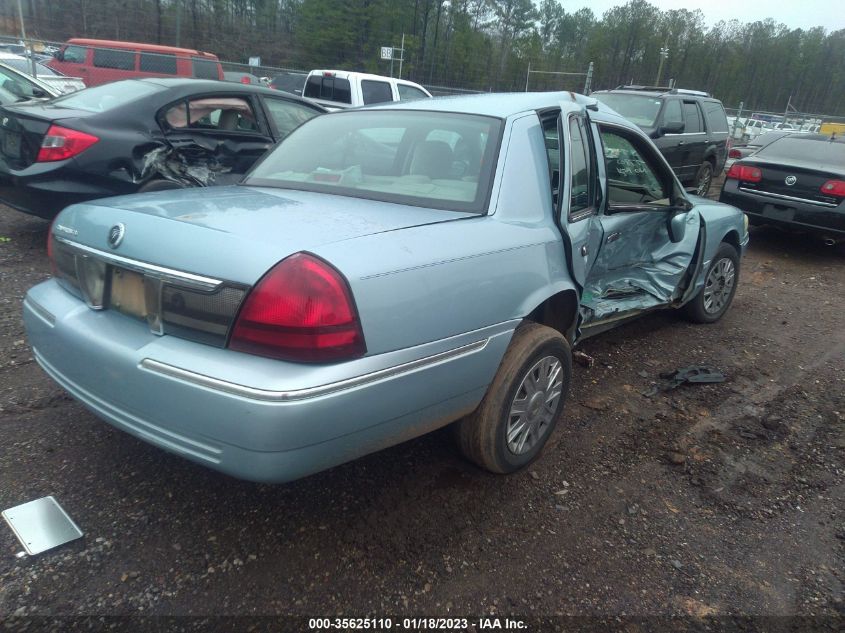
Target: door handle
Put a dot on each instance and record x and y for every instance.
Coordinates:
(680, 143)
(613, 237)
(585, 251)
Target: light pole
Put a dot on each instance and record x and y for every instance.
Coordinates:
(664, 54)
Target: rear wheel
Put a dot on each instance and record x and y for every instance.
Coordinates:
(704, 178)
(714, 299)
(523, 403)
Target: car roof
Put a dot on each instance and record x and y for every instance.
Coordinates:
(500, 104)
(346, 74)
(152, 48)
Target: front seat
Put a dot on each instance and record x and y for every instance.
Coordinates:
(432, 159)
(228, 120)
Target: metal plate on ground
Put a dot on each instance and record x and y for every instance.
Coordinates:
(41, 525)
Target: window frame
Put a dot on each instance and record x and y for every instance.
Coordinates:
(676, 195)
(592, 208)
(701, 123)
(257, 112)
(375, 82)
(105, 49)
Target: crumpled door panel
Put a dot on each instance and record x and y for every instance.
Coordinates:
(638, 266)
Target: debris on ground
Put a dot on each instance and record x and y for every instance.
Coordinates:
(694, 374)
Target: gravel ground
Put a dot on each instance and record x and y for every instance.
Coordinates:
(722, 499)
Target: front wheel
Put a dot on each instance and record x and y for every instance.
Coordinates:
(523, 403)
(704, 178)
(714, 299)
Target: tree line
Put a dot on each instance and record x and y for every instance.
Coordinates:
(480, 44)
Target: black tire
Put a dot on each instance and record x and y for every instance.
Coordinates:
(704, 178)
(159, 184)
(703, 308)
(482, 436)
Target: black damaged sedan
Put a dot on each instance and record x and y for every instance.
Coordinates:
(138, 135)
(797, 182)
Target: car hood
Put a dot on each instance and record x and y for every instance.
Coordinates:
(235, 233)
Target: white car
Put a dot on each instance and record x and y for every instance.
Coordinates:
(339, 89)
(60, 83)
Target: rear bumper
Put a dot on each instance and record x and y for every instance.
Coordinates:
(45, 189)
(763, 209)
(251, 417)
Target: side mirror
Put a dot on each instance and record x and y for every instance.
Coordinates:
(38, 93)
(677, 224)
(672, 127)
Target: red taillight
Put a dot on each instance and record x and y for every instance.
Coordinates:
(61, 143)
(745, 173)
(302, 310)
(734, 153)
(245, 80)
(834, 188)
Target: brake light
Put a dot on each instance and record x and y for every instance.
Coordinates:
(834, 188)
(245, 80)
(61, 143)
(734, 153)
(301, 310)
(745, 173)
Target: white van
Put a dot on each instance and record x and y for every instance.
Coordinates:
(336, 89)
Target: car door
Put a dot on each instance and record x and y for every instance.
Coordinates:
(649, 231)
(218, 135)
(695, 138)
(579, 193)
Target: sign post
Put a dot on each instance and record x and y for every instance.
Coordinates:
(389, 52)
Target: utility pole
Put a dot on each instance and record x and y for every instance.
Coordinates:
(178, 21)
(589, 82)
(664, 54)
(25, 43)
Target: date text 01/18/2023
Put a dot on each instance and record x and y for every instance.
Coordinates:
(456, 625)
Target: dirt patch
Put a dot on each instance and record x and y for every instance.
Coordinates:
(704, 500)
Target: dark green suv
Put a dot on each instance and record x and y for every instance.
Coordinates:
(688, 126)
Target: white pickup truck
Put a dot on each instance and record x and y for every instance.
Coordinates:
(338, 89)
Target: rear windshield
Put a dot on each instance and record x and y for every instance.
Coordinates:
(814, 149)
(638, 109)
(429, 159)
(328, 88)
(106, 96)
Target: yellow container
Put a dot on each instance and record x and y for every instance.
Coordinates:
(832, 128)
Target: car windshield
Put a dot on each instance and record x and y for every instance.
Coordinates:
(813, 149)
(431, 159)
(106, 96)
(638, 109)
(25, 66)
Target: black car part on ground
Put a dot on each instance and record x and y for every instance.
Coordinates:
(798, 181)
(130, 146)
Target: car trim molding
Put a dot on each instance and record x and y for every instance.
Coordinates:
(269, 395)
(783, 197)
(168, 274)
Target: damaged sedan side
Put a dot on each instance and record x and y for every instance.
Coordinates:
(138, 135)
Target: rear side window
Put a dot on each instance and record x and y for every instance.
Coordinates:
(113, 58)
(205, 68)
(156, 63)
(717, 121)
(329, 89)
(376, 91)
(409, 93)
(580, 189)
(75, 54)
(226, 114)
(692, 118)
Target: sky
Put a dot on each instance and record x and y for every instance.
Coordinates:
(804, 14)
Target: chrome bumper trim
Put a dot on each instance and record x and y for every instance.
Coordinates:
(780, 196)
(172, 275)
(311, 392)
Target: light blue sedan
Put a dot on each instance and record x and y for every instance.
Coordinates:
(382, 273)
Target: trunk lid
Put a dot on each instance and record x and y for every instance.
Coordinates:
(798, 179)
(22, 128)
(233, 233)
